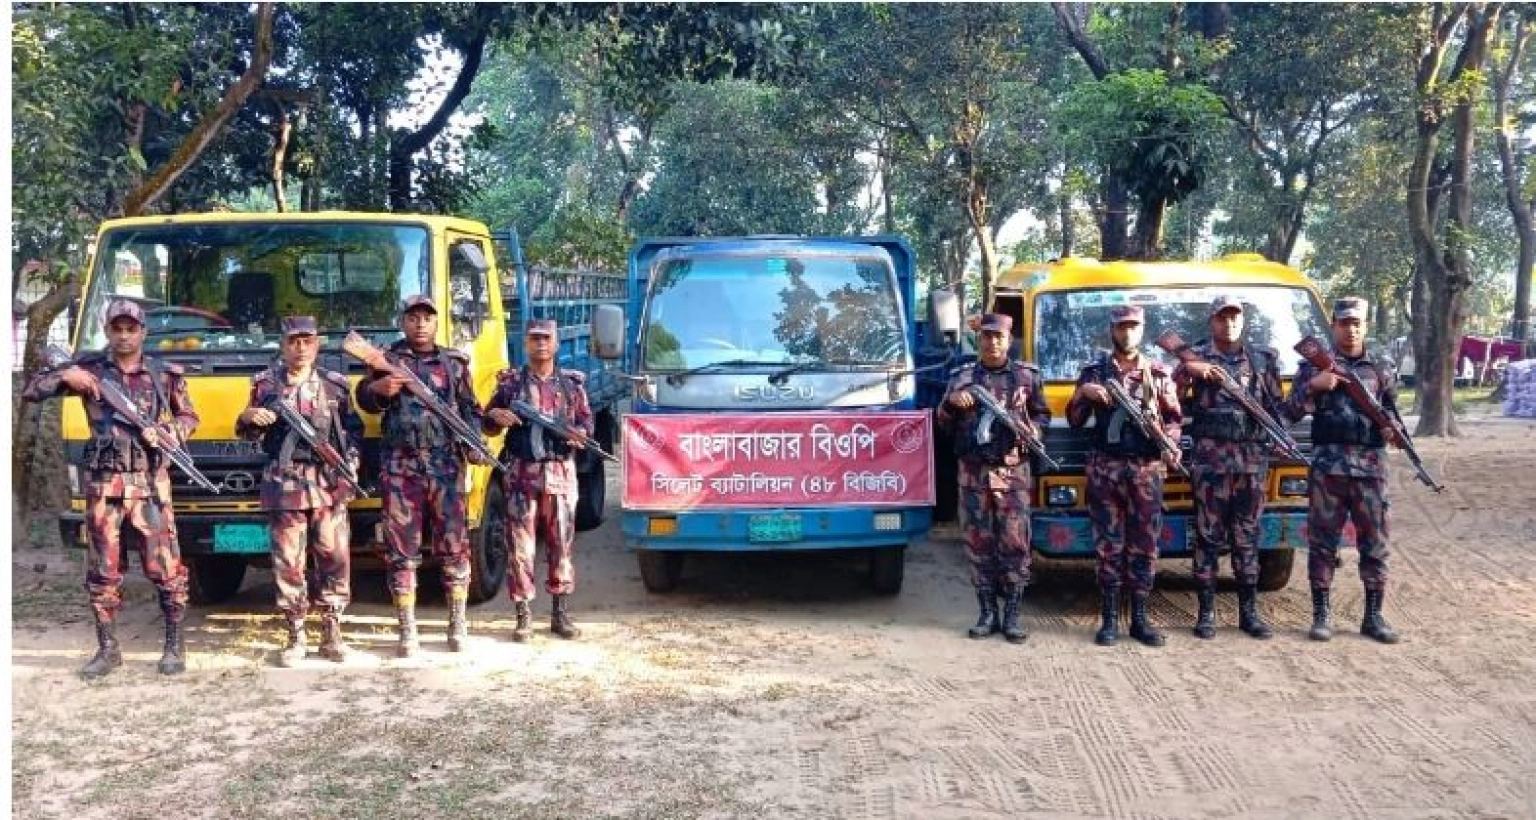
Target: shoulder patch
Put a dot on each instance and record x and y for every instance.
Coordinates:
(172, 368)
(1158, 369)
(506, 374)
(263, 377)
(454, 353)
(576, 376)
(335, 379)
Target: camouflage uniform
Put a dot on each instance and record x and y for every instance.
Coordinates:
(128, 487)
(306, 505)
(1125, 475)
(1347, 482)
(996, 482)
(1229, 470)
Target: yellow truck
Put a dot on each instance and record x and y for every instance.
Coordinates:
(214, 286)
(1061, 317)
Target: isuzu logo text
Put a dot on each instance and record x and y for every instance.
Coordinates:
(774, 392)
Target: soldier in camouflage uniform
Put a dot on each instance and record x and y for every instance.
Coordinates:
(995, 479)
(1125, 472)
(1230, 464)
(127, 483)
(306, 505)
(540, 482)
(422, 470)
(1348, 479)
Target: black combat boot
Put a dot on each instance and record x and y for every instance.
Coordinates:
(1248, 618)
(1374, 626)
(405, 613)
(1109, 631)
(458, 621)
(172, 661)
(1321, 629)
(560, 622)
(1142, 629)
(523, 630)
(108, 655)
(332, 647)
(1013, 631)
(1205, 622)
(987, 622)
(296, 648)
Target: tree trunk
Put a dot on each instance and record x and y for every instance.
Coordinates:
(279, 156)
(28, 442)
(1068, 230)
(1114, 219)
(403, 147)
(1149, 231)
(1519, 208)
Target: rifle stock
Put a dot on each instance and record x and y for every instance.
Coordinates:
(1279, 439)
(1392, 429)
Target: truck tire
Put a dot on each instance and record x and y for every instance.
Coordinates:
(1275, 568)
(592, 485)
(887, 569)
(660, 569)
(946, 478)
(488, 548)
(214, 579)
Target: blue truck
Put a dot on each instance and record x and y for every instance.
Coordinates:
(774, 329)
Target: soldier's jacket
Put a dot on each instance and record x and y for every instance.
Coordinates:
(1344, 441)
(117, 462)
(1025, 402)
(416, 442)
(1227, 441)
(294, 478)
(563, 395)
(1147, 382)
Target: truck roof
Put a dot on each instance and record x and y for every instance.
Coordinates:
(435, 221)
(1076, 273)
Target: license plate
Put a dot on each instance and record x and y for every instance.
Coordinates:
(774, 528)
(240, 538)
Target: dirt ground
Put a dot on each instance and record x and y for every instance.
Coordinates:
(776, 686)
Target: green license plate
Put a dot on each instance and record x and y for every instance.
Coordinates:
(779, 528)
(240, 538)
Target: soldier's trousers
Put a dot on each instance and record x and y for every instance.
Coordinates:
(1125, 504)
(1227, 510)
(540, 518)
(996, 526)
(1333, 500)
(142, 524)
(417, 506)
(323, 534)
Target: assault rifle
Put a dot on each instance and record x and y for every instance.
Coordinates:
(1150, 426)
(124, 409)
(1278, 437)
(1025, 432)
(359, 348)
(324, 450)
(1313, 351)
(533, 415)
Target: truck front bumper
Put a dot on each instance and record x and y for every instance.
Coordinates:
(1070, 535)
(776, 529)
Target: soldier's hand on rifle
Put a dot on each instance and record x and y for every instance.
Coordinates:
(962, 399)
(1094, 392)
(1203, 370)
(388, 386)
(259, 416)
(82, 382)
(1323, 382)
(504, 417)
(1394, 437)
(1173, 460)
(151, 436)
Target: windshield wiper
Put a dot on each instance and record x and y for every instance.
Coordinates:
(678, 378)
(782, 376)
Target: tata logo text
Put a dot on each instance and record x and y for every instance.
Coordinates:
(774, 392)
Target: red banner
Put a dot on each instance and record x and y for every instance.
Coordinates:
(713, 460)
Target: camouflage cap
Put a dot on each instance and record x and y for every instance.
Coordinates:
(300, 326)
(543, 327)
(1226, 301)
(420, 300)
(1350, 307)
(997, 322)
(1126, 313)
(123, 308)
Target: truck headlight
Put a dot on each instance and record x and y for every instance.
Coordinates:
(1295, 486)
(74, 480)
(1061, 495)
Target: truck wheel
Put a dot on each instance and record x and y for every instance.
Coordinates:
(592, 485)
(214, 578)
(887, 568)
(660, 569)
(1275, 568)
(946, 479)
(488, 548)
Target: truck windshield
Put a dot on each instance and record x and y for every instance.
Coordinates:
(1072, 327)
(773, 308)
(227, 286)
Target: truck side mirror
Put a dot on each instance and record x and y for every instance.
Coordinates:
(608, 332)
(944, 314)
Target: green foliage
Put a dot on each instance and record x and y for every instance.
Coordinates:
(579, 239)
